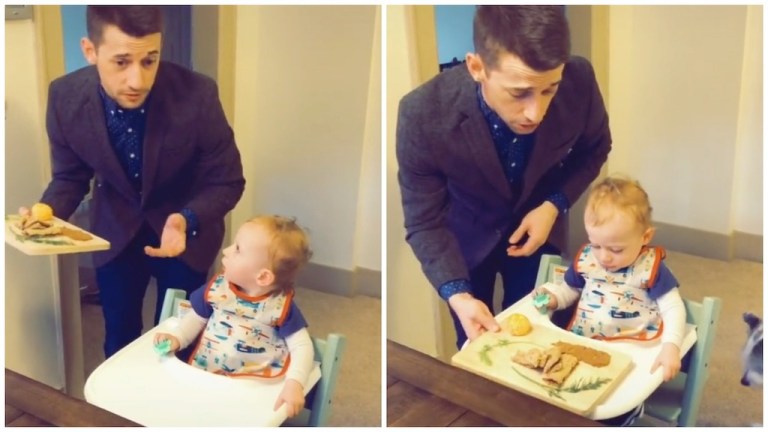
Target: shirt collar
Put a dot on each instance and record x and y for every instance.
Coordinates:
(110, 105)
(499, 128)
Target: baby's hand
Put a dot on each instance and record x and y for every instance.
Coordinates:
(165, 338)
(293, 397)
(543, 300)
(669, 358)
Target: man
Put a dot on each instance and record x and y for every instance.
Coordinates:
(492, 155)
(166, 170)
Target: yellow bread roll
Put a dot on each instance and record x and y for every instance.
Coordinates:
(518, 324)
(42, 212)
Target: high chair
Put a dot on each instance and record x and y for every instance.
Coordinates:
(151, 390)
(676, 401)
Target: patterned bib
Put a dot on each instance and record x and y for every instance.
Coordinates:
(241, 336)
(616, 305)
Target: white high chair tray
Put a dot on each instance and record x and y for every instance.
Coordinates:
(154, 390)
(637, 385)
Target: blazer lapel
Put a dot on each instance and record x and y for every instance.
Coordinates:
(477, 136)
(554, 132)
(157, 120)
(105, 162)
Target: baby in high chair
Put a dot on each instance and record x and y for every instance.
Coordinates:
(625, 291)
(250, 326)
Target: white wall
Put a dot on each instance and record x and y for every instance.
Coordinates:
(301, 107)
(412, 314)
(368, 233)
(684, 101)
(32, 320)
(748, 181)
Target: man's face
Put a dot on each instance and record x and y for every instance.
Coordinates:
(127, 65)
(517, 93)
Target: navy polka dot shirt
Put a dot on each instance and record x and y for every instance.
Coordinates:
(126, 133)
(513, 151)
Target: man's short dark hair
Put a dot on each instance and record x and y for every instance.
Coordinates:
(136, 21)
(539, 35)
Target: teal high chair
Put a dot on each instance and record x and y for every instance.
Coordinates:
(676, 401)
(328, 353)
(141, 371)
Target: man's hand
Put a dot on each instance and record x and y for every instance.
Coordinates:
(537, 224)
(473, 314)
(174, 238)
(292, 396)
(669, 359)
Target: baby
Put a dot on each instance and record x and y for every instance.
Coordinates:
(625, 291)
(249, 324)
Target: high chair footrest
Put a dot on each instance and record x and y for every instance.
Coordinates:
(666, 402)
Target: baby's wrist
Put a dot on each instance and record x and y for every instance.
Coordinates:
(294, 382)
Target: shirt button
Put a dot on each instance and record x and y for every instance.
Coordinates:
(194, 233)
(130, 130)
(514, 140)
(142, 110)
(120, 111)
(132, 155)
(136, 175)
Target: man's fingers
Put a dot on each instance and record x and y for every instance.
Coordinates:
(162, 252)
(156, 252)
(517, 235)
(278, 402)
(490, 323)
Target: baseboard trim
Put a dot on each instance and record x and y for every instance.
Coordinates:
(333, 280)
(367, 282)
(707, 244)
(748, 246)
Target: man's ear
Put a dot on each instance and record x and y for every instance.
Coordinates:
(476, 67)
(89, 50)
(265, 277)
(648, 235)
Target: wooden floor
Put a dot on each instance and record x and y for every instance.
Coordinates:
(422, 391)
(31, 403)
(410, 406)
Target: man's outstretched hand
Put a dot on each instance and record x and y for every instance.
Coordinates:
(173, 242)
(473, 314)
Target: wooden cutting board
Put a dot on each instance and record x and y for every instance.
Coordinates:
(53, 245)
(491, 354)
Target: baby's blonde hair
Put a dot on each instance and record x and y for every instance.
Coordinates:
(614, 193)
(288, 249)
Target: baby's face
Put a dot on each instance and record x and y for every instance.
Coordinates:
(617, 242)
(247, 256)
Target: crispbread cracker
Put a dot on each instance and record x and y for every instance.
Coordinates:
(586, 354)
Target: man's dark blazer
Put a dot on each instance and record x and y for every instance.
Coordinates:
(190, 160)
(457, 201)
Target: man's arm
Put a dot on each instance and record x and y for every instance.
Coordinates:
(218, 178)
(589, 154)
(425, 198)
(70, 175)
(425, 202)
